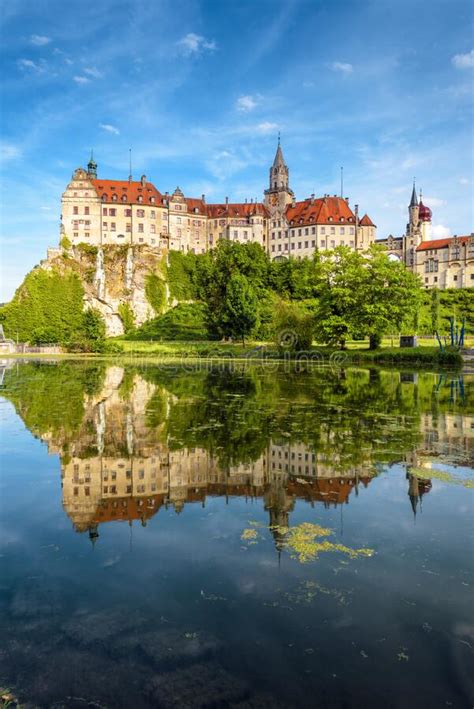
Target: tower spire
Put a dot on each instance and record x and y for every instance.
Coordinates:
(414, 198)
(92, 166)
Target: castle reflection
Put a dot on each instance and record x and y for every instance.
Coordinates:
(133, 440)
(137, 470)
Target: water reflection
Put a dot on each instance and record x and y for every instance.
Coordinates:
(132, 440)
(209, 469)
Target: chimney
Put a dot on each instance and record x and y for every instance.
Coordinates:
(347, 199)
(227, 200)
(203, 198)
(143, 180)
(293, 201)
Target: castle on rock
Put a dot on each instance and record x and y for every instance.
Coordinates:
(103, 212)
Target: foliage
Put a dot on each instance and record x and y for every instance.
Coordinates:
(364, 294)
(293, 327)
(186, 321)
(155, 291)
(87, 249)
(65, 243)
(90, 337)
(46, 299)
(239, 313)
(302, 544)
(296, 279)
(127, 317)
(43, 336)
(181, 275)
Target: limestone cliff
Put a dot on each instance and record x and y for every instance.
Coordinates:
(114, 278)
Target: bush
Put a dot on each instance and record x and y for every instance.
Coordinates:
(293, 327)
(186, 321)
(127, 317)
(65, 243)
(155, 291)
(87, 249)
(44, 336)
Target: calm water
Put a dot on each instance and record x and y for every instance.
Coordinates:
(224, 538)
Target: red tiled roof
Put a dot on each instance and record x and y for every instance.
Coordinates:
(324, 210)
(442, 243)
(131, 190)
(247, 209)
(198, 204)
(366, 221)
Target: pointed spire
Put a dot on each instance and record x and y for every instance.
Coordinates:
(92, 166)
(414, 198)
(279, 160)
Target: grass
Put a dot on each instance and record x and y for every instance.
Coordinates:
(425, 354)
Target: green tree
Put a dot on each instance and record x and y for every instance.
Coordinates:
(386, 294)
(240, 307)
(127, 317)
(434, 310)
(93, 325)
(293, 327)
(341, 273)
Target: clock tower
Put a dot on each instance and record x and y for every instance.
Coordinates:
(279, 195)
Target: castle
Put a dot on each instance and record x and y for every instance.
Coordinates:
(101, 212)
(104, 212)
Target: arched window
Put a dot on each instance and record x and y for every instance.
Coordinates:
(104, 198)
(124, 198)
(140, 198)
(114, 198)
(152, 200)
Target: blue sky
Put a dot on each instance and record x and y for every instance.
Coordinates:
(199, 90)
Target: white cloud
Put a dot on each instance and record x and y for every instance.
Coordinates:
(433, 201)
(9, 152)
(246, 103)
(81, 79)
(464, 61)
(464, 181)
(440, 232)
(267, 127)
(92, 71)
(39, 40)
(109, 128)
(195, 44)
(342, 67)
(30, 65)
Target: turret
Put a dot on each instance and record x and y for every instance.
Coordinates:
(92, 167)
(413, 209)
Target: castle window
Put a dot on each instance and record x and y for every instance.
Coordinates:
(104, 211)
(124, 198)
(75, 210)
(152, 200)
(140, 228)
(114, 198)
(140, 198)
(112, 212)
(341, 230)
(152, 214)
(313, 230)
(112, 226)
(105, 225)
(128, 212)
(128, 227)
(87, 234)
(323, 230)
(76, 234)
(104, 198)
(140, 213)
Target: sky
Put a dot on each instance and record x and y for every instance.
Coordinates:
(200, 90)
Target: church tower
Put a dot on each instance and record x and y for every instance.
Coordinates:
(278, 195)
(413, 209)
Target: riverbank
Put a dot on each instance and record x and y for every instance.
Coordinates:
(422, 356)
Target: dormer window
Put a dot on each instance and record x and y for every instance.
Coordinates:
(330, 219)
(114, 198)
(104, 198)
(124, 198)
(152, 200)
(140, 198)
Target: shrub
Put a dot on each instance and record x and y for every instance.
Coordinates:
(155, 291)
(293, 327)
(127, 317)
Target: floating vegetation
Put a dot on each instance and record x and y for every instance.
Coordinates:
(443, 476)
(307, 591)
(249, 535)
(306, 541)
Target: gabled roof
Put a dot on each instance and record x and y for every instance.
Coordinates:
(442, 243)
(366, 221)
(324, 210)
(237, 210)
(131, 190)
(196, 204)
